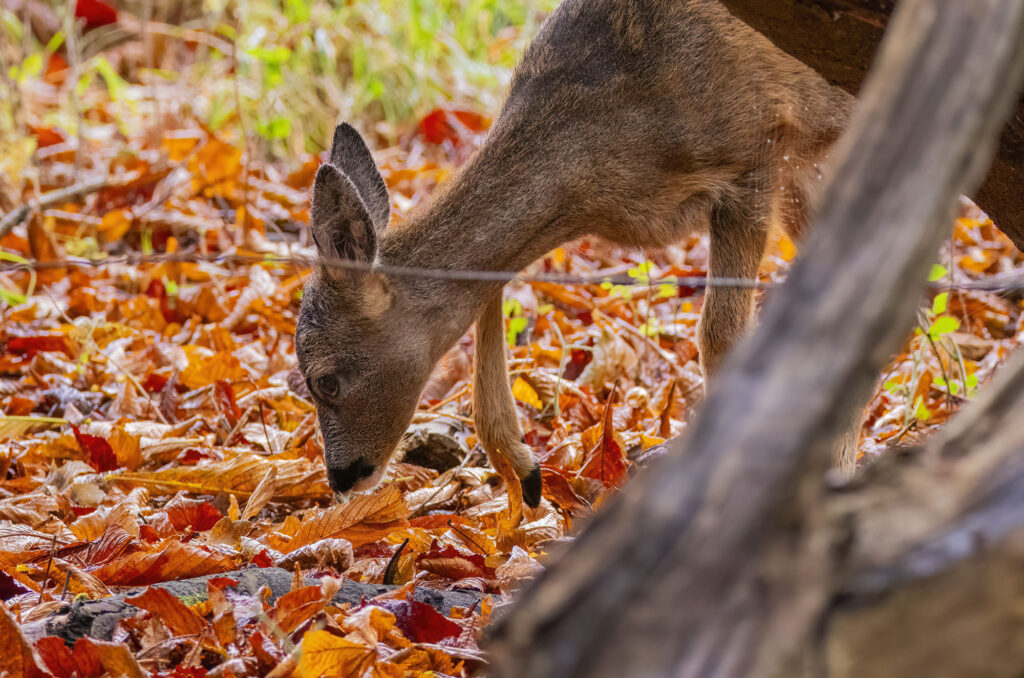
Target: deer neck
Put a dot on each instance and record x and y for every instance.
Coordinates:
(484, 220)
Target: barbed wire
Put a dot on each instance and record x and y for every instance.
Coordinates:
(1009, 282)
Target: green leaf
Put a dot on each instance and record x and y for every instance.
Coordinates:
(943, 325)
(891, 386)
(650, 329)
(515, 327)
(937, 273)
(116, 85)
(278, 128)
(30, 67)
(920, 411)
(511, 308)
(297, 11)
(939, 381)
(941, 303)
(641, 272)
(11, 298)
(954, 388)
(971, 382)
(17, 259)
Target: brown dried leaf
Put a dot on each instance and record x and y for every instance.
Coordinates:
(179, 618)
(174, 560)
(19, 659)
(385, 507)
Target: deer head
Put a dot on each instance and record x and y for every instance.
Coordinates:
(355, 342)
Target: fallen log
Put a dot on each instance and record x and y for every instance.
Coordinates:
(934, 535)
(839, 38)
(98, 618)
(715, 562)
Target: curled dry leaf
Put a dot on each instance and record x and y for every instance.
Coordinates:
(240, 475)
(180, 619)
(357, 520)
(172, 560)
(330, 552)
(420, 622)
(261, 494)
(516, 570)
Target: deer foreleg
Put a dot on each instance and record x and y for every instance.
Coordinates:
(494, 408)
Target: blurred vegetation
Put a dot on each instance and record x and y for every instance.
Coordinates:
(281, 71)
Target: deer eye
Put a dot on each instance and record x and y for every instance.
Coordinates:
(328, 386)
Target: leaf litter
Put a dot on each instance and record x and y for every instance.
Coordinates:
(154, 427)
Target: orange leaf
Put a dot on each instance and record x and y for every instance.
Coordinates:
(325, 654)
(203, 370)
(558, 490)
(174, 561)
(295, 607)
(179, 618)
(383, 506)
(18, 656)
(240, 475)
(114, 658)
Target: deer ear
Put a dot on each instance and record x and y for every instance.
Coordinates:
(340, 222)
(350, 154)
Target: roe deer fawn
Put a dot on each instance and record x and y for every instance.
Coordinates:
(637, 121)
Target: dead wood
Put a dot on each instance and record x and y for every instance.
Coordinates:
(838, 38)
(97, 618)
(714, 562)
(932, 540)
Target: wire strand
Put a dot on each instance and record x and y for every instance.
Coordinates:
(1003, 283)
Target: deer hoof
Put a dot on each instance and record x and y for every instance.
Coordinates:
(532, 486)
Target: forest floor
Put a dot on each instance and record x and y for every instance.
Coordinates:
(154, 426)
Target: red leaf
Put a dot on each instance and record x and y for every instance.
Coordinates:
(198, 514)
(155, 383)
(41, 343)
(10, 587)
(607, 461)
(420, 622)
(46, 136)
(262, 559)
(149, 533)
(456, 126)
(101, 455)
(220, 582)
(95, 12)
(452, 563)
(559, 491)
(57, 657)
(184, 672)
(87, 659)
(226, 401)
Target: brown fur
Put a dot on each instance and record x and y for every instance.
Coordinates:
(639, 121)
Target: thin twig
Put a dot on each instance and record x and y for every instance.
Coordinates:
(18, 214)
(46, 575)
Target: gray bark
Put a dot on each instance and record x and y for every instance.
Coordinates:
(97, 618)
(717, 560)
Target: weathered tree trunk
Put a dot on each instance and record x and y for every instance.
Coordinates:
(838, 38)
(931, 583)
(716, 561)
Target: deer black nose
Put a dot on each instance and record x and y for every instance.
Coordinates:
(342, 480)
